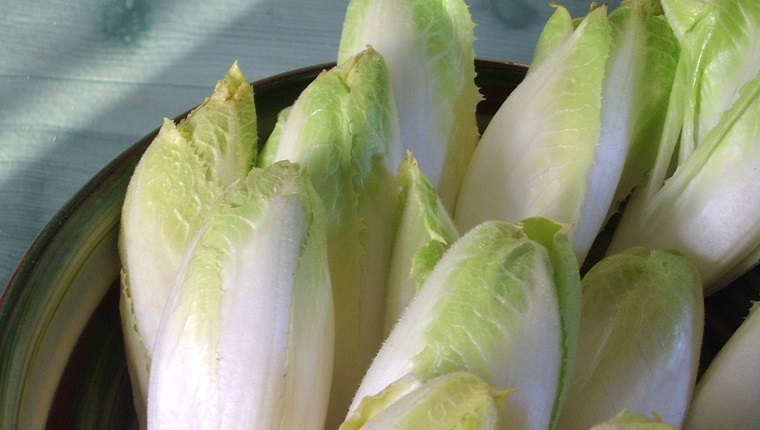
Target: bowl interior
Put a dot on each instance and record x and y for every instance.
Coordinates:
(61, 348)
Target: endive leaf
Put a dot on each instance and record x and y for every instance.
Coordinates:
(429, 49)
(343, 131)
(424, 233)
(246, 338)
(727, 393)
(640, 339)
(719, 55)
(705, 209)
(535, 157)
(658, 53)
(500, 296)
(458, 400)
(176, 185)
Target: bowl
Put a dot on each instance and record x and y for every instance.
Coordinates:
(62, 361)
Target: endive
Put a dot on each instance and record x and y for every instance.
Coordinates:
(458, 400)
(706, 209)
(246, 337)
(655, 48)
(703, 206)
(429, 49)
(502, 303)
(719, 55)
(581, 130)
(424, 233)
(640, 337)
(176, 185)
(727, 394)
(683, 14)
(541, 154)
(343, 131)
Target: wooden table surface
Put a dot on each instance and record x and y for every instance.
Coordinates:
(82, 80)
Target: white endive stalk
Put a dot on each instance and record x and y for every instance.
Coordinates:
(424, 233)
(429, 49)
(717, 57)
(458, 400)
(177, 183)
(702, 208)
(501, 296)
(343, 131)
(640, 339)
(581, 130)
(541, 152)
(246, 338)
(706, 209)
(728, 392)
